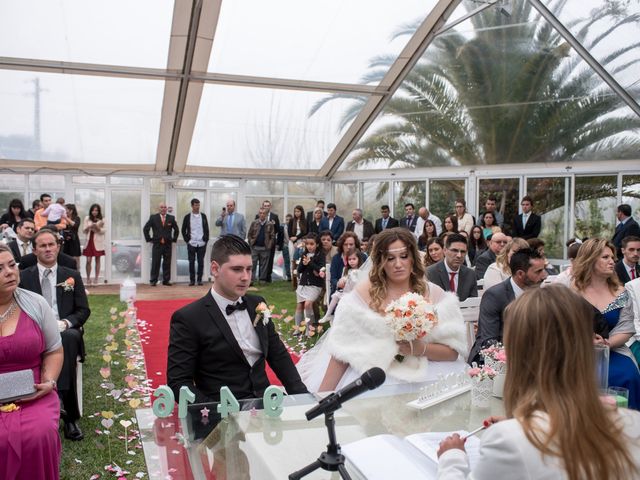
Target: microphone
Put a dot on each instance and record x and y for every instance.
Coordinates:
(369, 380)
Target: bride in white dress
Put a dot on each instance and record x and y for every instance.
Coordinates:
(360, 338)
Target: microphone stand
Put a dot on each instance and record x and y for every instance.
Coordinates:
(331, 460)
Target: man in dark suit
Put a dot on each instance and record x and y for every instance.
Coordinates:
(165, 232)
(386, 221)
(221, 340)
(527, 267)
(63, 289)
(272, 217)
(628, 268)
(626, 227)
(336, 223)
(496, 243)
(527, 224)
(195, 231)
(362, 227)
(410, 220)
(450, 273)
(21, 245)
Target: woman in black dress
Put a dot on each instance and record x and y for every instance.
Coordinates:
(71, 244)
(14, 215)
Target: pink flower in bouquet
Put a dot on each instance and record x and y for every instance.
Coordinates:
(501, 356)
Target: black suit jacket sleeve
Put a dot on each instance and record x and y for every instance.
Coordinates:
(182, 358)
(482, 263)
(77, 314)
(536, 226)
(186, 227)
(280, 361)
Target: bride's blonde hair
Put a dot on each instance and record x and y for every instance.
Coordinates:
(377, 275)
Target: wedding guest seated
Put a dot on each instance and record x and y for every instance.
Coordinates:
(527, 271)
(495, 244)
(557, 425)
(360, 337)
(29, 340)
(30, 259)
(566, 276)
(477, 244)
(450, 274)
(21, 245)
(595, 279)
(538, 244)
(14, 215)
(434, 251)
(428, 232)
(222, 340)
(499, 270)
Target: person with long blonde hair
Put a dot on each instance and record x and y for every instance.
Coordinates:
(360, 337)
(595, 279)
(556, 424)
(499, 270)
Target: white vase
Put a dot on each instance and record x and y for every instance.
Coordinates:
(481, 391)
(498, 385)
(499, 367)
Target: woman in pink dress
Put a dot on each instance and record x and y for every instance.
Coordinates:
(29, 339)
(93, 227)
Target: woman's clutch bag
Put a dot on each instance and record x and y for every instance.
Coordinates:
(16, 385)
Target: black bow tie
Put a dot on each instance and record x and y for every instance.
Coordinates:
(238, 306)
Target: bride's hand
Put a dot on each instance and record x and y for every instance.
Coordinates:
(416, 348)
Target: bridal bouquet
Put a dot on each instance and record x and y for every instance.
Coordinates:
(410, 317)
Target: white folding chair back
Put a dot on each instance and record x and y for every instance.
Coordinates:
(470, 309)
(327, 283)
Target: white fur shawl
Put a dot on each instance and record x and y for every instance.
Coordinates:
(360, 337)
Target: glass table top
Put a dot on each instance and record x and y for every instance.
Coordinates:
(251, 445)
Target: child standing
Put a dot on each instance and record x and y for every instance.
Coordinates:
(310, 279)
(345, 284)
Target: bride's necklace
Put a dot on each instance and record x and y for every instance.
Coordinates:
(7, 313)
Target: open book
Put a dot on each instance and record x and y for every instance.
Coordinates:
(388, 456)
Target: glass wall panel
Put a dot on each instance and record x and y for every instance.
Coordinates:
(443, 195)
(373, 196)
(41, 183)
(80, 31)
(89, 179)
(308, 204)
(224, 183)
(266, 129)
(5, 199)
(311, 189)
(408, 192)
(275, 39)
(191, 183)
(345, 196)
(595, 207)
(76, 113)
(266, 187)
(11, 181)
(217, 201)
(505, 190)
(126, 234)
(550, 197)
(631, 193)
(126, 180)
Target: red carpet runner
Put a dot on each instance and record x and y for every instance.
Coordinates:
(154, 318)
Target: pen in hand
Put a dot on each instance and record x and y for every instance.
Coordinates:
(484, 425)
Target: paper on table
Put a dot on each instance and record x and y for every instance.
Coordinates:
(388, 456)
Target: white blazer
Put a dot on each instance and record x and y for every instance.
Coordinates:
(505, 453)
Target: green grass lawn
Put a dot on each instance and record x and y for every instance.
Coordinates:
(113, 375)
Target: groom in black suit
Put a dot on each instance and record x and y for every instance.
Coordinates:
(220, 340)
(65, 293)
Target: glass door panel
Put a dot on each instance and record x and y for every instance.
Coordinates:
(126, 234)
(551, 201)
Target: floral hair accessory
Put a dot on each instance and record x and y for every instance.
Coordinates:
(68, 285)
(264, 313)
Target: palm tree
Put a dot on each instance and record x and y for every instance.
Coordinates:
(511, 94)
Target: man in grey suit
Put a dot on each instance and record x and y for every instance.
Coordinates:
(527, 271)
(496, 243)
(231, 223)
(450, 273)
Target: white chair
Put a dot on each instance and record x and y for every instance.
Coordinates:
(79, 384)
(470, 309)
(327, 283)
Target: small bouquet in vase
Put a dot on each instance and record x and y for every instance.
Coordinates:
(410, 318)
(495, 357)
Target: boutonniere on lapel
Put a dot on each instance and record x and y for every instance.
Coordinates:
(264, 313)
(68, 285)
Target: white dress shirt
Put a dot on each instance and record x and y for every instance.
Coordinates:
(449, 272)
(242, 328)
(52, 280)
(358, 229)
(516, 289)
(197, 234)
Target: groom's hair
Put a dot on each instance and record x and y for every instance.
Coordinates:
(228, 245)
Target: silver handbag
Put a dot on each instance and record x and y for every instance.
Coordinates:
(16, 385)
